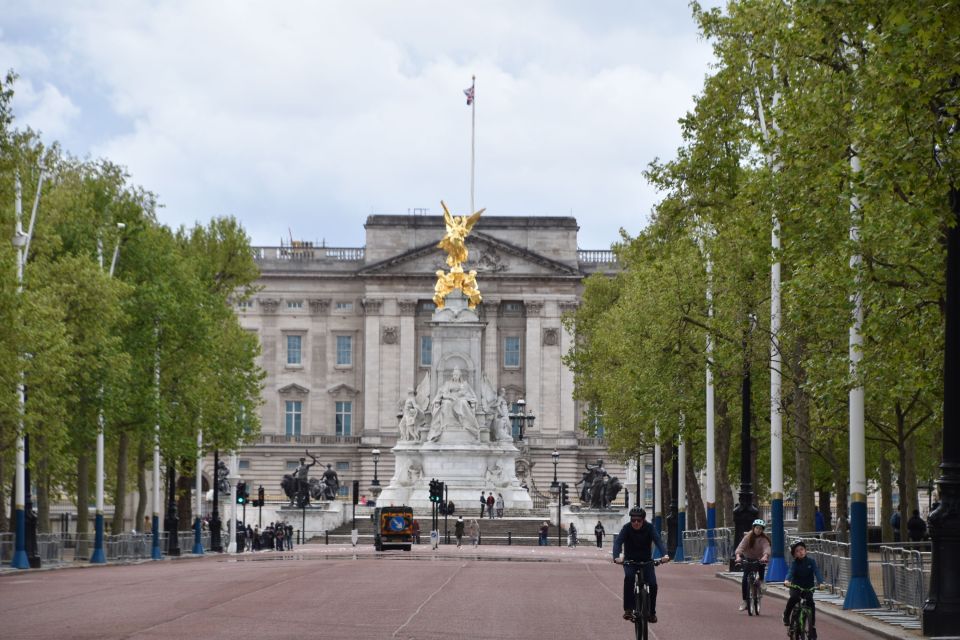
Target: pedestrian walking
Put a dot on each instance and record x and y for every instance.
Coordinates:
(499, 505)
(571, 535)
(916, 527)
(491, 501)
(289, 536)
(473, 530)
(544, 532)
(416, 531)
(599, 532)
(483, 502)
(256, 539)
(895, 523)
(458, 531)
(819, 523)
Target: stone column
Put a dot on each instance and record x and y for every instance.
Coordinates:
(409, 349)
(568, 407)
(317, 375)
(550, 370)
(491, 362)
(371, 364)
(531, 363)
(270, 413)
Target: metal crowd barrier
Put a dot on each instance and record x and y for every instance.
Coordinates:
(906, 574)
(695, 544)
(833, 558)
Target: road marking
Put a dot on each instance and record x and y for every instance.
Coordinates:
(428, 599)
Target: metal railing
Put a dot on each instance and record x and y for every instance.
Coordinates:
(695, 543)
(906, 574)
(307, 252)
(312, 438)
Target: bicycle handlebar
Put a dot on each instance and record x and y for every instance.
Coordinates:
(799, 588)
(642, 563)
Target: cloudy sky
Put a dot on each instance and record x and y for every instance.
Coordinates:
(304, 118)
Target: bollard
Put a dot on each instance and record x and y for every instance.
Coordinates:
(298, 536)
(509, 538)
(326, 537)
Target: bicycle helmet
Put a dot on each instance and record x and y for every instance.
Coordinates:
(638, 512)
(759, 522)
(796, 543)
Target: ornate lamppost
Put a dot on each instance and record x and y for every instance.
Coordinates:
(520, 419)
(556, 459)
(375, 485)
(745, 512)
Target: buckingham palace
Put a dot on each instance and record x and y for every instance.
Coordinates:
(346, 336)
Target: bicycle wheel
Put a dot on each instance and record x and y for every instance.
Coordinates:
(639, 609)
(755, 595)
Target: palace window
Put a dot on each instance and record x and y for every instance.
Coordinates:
(426, 351)
(294, 304)
(342, 305)
(294, 350)
(343, 465)
(293, 417)
(344, 417)
(344, 351)
(511, 352)
(244, 465)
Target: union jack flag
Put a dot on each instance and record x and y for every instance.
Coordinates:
(469, 94)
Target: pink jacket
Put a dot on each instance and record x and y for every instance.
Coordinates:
(759, 550)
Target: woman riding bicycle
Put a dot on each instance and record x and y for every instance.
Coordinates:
(636, 538)
(755, 546)
(804, 573)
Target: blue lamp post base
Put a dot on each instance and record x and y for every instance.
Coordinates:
(98, 556)
(155, 553)
(197, 544)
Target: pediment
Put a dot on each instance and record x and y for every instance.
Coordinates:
(489, 256)
(293, 389)
(342, 390)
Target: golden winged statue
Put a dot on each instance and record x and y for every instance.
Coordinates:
(458, 227)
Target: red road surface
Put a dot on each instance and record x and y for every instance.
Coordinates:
(500, 593)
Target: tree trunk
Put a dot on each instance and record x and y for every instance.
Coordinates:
(754, 474)
(724, 427)
(886, 499)
(42, 482)
(840, 485)
(696, 512)
(910, 471)
(826, 509)
(902, 487)
(4, 521)
(803, 461)
(83, 493)
(120, 495)
(141, 484)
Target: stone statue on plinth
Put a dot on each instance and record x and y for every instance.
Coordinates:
(330, 484)
(454, 406)
(223, 478)
(599, 487)
(297, 485)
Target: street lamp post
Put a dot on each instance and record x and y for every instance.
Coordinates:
(99, 557)
(556, 459)
(520, 419)
(21, 245)
(941, 611)
(215, 542)
(172, 523)
(375, 485)
(745, 512)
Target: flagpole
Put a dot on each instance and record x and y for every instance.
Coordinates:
(473, 129)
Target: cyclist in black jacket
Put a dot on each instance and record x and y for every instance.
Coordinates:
(637, 538)
(803, 572)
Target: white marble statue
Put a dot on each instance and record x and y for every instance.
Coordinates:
(494, 476)
(502, 418)
(454, 406)
(409, 419)
(409, 476)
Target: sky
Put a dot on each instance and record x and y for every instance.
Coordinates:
(301, 119)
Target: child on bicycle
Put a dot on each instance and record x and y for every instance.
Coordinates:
(636, 539)
(805, 573)
(755, 546)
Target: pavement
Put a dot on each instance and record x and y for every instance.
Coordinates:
(337, 591)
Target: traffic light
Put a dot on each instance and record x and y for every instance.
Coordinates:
(356, 492)
(564, 497)
(242, 493)
(436, 490)
(260, 496)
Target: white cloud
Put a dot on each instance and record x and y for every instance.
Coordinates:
(313, 115)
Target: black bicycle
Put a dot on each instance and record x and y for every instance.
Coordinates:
(754, 592)
(641, 592)
(802, 615)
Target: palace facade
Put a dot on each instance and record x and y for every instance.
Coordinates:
(346, 334)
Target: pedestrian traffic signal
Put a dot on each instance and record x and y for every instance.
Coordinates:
(564, 496)
(242, 495)
(436, 490)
